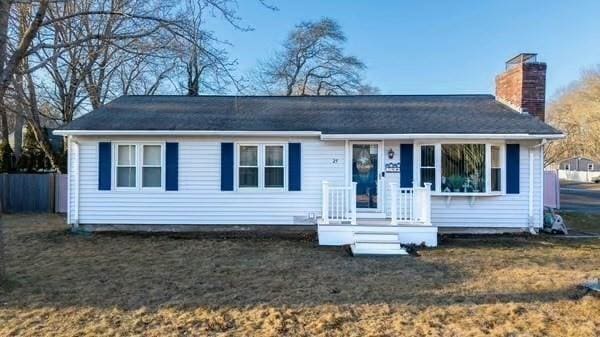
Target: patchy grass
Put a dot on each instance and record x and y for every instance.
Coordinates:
(585, 222)
(152, 285)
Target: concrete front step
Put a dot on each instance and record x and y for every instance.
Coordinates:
(359, 249)
(375, 245)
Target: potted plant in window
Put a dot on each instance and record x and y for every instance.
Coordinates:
(455, 182)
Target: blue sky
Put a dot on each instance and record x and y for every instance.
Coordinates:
(435, 47)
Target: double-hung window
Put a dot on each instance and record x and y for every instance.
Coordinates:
(496, 170)
(261, 166)
(462, 168)
(428, 165)
(139, 165)
(248, 166)
(126, 165)
(274, 166)
(151, 166)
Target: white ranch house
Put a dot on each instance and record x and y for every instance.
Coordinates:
(374, 172)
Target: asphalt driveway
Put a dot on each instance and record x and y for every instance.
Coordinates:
(579, 197)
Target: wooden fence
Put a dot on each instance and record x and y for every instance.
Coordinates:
(32, 192)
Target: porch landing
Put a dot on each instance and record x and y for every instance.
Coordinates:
(337, 234)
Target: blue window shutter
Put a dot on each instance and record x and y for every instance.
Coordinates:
(172, 166)
(406, 165)
(104, 165)
(226, 166)
(512, 168)
(295, 167)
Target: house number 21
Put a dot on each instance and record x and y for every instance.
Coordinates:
(334, 161)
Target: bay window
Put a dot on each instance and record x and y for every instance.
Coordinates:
(463, 168)
(261, 166)
(455, 168)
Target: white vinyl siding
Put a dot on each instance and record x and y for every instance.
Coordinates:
(199, 199)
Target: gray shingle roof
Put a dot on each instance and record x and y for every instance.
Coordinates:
(381, 114)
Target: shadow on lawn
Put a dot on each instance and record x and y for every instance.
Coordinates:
(59, 269)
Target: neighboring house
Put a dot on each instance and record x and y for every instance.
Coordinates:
(579, 169)
(579, 164)
(345, 163)
(55, 140)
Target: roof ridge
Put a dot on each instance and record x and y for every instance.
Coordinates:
(314, 96)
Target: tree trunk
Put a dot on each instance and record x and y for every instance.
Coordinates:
(3, 119)
(18, 146)
(4, 16)
(42, 139)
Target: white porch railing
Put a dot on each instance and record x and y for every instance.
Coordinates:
(410, 204)
(339, 203)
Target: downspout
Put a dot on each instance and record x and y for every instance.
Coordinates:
(75, 172)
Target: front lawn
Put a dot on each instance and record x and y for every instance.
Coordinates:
(132, 285)
(583, 222)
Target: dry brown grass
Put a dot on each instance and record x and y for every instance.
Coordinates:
(584, 222)
(129, 285)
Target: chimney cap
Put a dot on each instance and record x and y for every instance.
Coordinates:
(520, 59)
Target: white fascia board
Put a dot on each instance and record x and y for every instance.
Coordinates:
(411, 136)
(182, 133)
(408, 136)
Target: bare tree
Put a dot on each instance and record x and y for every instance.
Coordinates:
(205, 63)
(107, 47)
(56, 35)
(576, 112)
(312, 62)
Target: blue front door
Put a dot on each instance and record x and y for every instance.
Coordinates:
(365, 169)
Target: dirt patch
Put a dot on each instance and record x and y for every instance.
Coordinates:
(172, 285)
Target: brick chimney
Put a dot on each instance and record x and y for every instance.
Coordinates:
(522, 85)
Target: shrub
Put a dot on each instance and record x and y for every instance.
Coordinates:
(7, 158)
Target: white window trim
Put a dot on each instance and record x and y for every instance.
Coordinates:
(261, 159)
(283, 165)
(438, 167)
(139, 146)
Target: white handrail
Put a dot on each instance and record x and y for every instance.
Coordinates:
(338, 204)
(410, 204)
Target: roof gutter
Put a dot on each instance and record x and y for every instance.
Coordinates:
(304, 134)
(441, 136)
